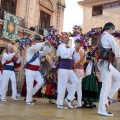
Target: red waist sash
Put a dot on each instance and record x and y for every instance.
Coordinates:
(33, 67)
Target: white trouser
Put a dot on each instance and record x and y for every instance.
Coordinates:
(80, 74)
(7, 74)
(109, 88)
(0, 83)
(30, 77)
(63, 76)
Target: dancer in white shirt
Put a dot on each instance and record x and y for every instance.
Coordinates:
(66, 73)
(79, 61)
(108, 71)
(32, 67)
(9, 60)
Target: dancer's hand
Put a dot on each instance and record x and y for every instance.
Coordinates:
(47, 42)
(17, 52)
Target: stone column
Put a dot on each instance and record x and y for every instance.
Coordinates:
(60, 14)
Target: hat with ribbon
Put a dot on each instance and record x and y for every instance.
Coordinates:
(108, 26)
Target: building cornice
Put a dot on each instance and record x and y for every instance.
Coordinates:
(47, 7)
(62, 4)
(93, 2)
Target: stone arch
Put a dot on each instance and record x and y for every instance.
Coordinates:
(48, 4)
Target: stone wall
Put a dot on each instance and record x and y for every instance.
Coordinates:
(30, 11)
(98, 21)
(108, 15)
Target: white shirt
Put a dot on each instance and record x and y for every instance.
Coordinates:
(108, 41)
(8, 57)
(65, 53)
(35, 48)
(77, 56)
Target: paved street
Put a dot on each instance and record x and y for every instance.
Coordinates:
(42, 110)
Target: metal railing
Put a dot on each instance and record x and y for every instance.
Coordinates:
(39, 30)
(21, 22)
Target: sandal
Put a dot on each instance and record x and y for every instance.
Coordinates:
(51, 102)
(85, 104)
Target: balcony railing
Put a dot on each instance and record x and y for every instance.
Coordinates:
(21, 22)
(39, 30)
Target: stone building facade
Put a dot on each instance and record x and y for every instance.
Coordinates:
(98, 12)
(38, 14)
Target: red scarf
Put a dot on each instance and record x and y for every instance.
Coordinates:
(14, 60)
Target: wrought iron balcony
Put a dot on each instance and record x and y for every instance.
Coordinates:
(21, 23)
(39, 30)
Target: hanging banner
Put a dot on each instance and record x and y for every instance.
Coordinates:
(10, 26)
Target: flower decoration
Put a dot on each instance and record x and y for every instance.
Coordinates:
(52, 31)
(24, 41)
(83, 39)
(116, 34)
(53, 37)
(77, 30)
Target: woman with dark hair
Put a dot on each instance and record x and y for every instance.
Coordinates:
(89, 84)
(51, 87)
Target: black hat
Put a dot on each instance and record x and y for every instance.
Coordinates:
(108, 26)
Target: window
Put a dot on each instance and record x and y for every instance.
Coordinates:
(97, 10)
(111, 4)
(44, 21)
(9, 5)
(107, 5)
(115, 4)
(95, 39)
